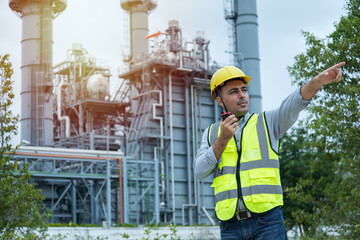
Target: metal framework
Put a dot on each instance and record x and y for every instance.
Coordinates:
(78, 185)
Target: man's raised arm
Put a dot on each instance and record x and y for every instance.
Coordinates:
(332, 74)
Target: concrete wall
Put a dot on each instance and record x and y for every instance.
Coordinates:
(195, 233)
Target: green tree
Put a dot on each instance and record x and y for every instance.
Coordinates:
(334, 123)
(21, 213)
(295, 159)
(303, 179)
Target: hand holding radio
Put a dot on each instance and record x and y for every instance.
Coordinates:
(228, 127)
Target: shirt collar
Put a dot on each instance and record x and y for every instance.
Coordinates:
(245, 118)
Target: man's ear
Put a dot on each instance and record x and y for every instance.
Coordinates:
(218, 100)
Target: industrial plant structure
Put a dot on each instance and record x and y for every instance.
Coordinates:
(125, 157)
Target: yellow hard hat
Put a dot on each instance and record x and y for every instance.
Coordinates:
(225, 74)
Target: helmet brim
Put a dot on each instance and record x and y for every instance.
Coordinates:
(246, 78)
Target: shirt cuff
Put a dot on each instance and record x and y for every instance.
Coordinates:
(300, 97)
(210, 155)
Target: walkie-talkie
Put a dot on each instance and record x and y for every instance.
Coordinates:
(226, 113)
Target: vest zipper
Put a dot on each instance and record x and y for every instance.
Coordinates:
(238, 173)
(238, 167)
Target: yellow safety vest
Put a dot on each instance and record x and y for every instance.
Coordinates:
(258, 173)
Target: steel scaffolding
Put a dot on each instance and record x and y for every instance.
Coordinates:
(73, 182)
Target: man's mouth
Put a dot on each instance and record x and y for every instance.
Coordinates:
(242, 103)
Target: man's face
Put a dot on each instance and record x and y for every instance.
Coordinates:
(236, 97)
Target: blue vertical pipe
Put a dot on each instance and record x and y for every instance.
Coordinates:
(108, 183)
(108, 193)
(96, 209)
(196, 110)
(125, 190)
(92, 203)
(166, 133)
(157, 192)
(188, 152)
(247, 45)
(73, 199)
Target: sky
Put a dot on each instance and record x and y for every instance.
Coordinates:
(99, 26)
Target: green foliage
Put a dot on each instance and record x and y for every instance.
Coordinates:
(7, 119)
(126, 225)
(75, 237)
(58, 237)
(295, 160)
(125, 236)
(150, 233)
(148, 230)
(173, 235)
(332, 186)
(21, 214)
(88, 237)
(71, 224)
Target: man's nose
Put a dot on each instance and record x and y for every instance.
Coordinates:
(241, 94)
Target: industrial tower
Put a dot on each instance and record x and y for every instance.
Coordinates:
(244, 45)
(139, 27)
(36, 68)
(171, 109)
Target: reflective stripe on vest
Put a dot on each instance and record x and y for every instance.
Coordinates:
(259, 172)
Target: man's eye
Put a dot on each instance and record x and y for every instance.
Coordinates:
(244, 89)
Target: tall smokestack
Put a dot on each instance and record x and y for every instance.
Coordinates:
(36, 68)
(247, 46)
(139, 27)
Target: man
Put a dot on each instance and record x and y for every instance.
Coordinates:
(242, 152)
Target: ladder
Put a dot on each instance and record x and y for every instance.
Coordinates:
(230, 13)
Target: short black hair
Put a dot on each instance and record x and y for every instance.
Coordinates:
(218, 88)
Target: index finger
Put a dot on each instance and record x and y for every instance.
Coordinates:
(336, 66)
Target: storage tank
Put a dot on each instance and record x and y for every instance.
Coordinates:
(36, 68)
(97, 86)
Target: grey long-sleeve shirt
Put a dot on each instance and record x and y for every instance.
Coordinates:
(278, 121)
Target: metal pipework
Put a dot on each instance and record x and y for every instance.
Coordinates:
(172, 150)
(108, 181)
(60, 117)
(36, 68)
(175, 39)
(194, 143)
(161, 123)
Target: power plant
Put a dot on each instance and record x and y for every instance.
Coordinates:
(125, 157)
